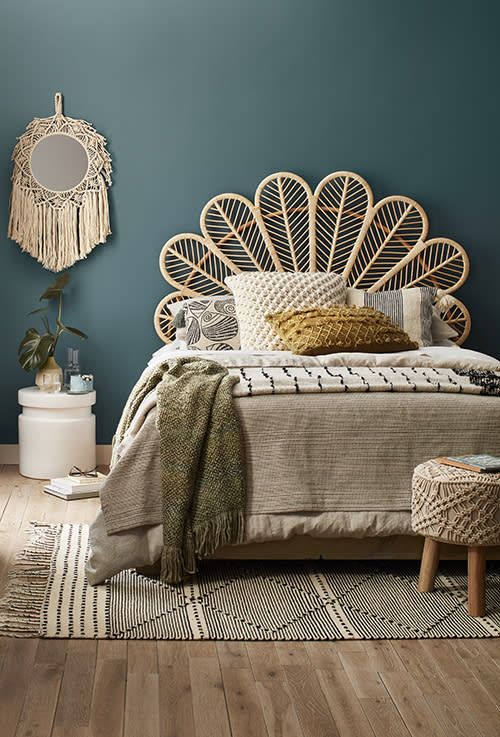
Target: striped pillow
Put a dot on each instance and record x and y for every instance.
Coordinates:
(411, 309)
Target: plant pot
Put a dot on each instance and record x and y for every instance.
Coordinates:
(49, 377)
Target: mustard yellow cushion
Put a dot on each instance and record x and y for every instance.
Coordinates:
(312, 332)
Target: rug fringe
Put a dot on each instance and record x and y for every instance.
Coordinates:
(21, 605)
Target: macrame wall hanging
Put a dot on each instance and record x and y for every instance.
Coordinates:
(59, 202)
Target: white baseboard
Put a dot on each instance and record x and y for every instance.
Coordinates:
(9, 455)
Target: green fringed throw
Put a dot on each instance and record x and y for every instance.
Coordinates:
(202, 469)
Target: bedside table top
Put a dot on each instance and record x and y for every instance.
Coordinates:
(31, 396)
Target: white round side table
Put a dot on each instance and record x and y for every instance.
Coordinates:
(56, 432)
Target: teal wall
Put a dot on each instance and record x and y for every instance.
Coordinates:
(199, 97)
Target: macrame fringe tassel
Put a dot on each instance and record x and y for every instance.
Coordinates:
(226, 529)
(22, 604)
(57, 237)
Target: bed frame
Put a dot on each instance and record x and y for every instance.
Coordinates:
(335, 228)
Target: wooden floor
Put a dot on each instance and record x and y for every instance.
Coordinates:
(83, 688)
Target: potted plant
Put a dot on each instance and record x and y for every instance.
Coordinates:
(36, 350)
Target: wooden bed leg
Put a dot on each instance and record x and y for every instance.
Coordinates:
(476, 564)
(429, 564)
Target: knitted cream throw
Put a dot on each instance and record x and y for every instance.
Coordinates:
(202, 470)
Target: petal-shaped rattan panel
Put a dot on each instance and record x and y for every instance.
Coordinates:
(343, 205)
(438, 262)
(235, 227)
(163, 317)
(396, 226)
(285, 204)
(193, 266)
(456, 315)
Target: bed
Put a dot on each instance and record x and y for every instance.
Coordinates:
(328, 469)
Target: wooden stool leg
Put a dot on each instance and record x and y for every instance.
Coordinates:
(429, 564)
(476, 559)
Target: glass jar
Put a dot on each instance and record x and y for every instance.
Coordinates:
(72, 367)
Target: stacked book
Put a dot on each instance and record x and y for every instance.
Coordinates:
(76, 487)
(478, 463)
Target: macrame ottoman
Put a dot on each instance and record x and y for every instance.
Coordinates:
(453, 505)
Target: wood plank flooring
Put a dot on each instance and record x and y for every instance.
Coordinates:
(84, 688)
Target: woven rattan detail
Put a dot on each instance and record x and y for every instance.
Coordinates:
(336, 329)
(456, 505)
(337, 227)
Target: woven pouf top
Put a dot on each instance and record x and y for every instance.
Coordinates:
(456, 505)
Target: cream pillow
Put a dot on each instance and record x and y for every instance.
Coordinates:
(257, 294)
(441, 331)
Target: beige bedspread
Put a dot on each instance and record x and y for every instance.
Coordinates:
(319, 452)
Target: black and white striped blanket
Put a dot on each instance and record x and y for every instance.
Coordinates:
(316, 379)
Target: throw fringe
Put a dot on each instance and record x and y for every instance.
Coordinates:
(175, 566)
(225, 529)
(22, 604)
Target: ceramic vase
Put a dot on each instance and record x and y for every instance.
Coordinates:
(49, 377)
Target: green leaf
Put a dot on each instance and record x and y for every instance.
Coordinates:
(73, 331)
(30, 333)
(34, 349)
(55, 289)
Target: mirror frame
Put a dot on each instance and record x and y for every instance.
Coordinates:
(73, 221)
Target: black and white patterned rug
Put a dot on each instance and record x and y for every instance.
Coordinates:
(48, 596)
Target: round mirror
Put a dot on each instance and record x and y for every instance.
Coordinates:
(59, 162)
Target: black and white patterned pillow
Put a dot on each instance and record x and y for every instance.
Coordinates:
(410, 308)
(211, 324)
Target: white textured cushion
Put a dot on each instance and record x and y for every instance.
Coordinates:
(410, 308)
(258, 294)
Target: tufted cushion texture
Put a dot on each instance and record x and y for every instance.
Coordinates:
(339, 329)
(258, 294)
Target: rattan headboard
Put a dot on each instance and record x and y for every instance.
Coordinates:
(335, 228)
